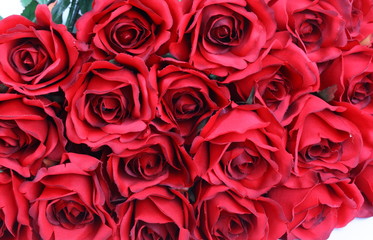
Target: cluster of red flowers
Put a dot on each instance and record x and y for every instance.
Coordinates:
(181, 119)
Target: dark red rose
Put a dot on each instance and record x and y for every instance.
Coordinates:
(187, 96)
(314, 212)
(243, 148)
(37, 58)
(220, 37)
(352, 76)
(281, 75)
(14, 219)
(316, 26)
(110, 104)
(135, 27)
(156, 213)
(222, 214)
(68, 201)
(326, 144)
(31, 135)
(160, 159)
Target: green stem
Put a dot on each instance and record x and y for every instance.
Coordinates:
(70, 17)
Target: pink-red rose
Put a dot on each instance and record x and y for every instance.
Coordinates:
(315, 211)
(156, 213)
(243, 148)
(222, 214)
(110, 104)
(31, 135)
(37, 58)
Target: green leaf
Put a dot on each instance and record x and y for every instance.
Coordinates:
(85, 5)
(58, 10)
(42, 1)
(29, 11)
(1, 17)
(250, 99)
(25, 3)
(327, 94)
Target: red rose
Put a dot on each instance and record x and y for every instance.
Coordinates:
(222, 214)
(281, 75)
(243, 148)
(135, 27)
(31, 134)
(37, 58)
(352, 75)
(220, 37)
(187, 96)
(314, 212)
(326, 145)
(14, 220)
(158, 160)
(68, 201)
(156, 213)
(316, 26)
(110, 104)
(364, 182)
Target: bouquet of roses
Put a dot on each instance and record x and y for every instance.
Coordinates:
(185, 119)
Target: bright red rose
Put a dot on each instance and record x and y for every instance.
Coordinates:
(110, 104)
(156, 213)
(159, 160)
(364, 182)
(220, 37)
(31, 135)
(314, 212)
(243, 148)
(326, 144)
(68, 201)
(37, 58)
(316, 26)
(352, 76)
(281, 75)
(14, 219)
(135, 27)
(186, 97)
(222, 214)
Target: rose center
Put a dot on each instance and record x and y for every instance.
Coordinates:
(362, 93)
(146, 165)
(126, 35)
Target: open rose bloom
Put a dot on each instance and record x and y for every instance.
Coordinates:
(181, 119)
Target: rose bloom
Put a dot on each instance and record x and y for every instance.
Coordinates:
(68, 201)
(281, 75)
(187, 97)
(110, 104)
(363, 181)
(315, 211)
(316, 26)
(31, 135)
(325, 143)
(37, 58)
(14, 220)
(135, 27)
(156, 213)
(220, 37)
(243, 148)
(160, 159)
(352, 76)
(222, 214)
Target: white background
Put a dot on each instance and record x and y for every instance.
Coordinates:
(358, 229)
